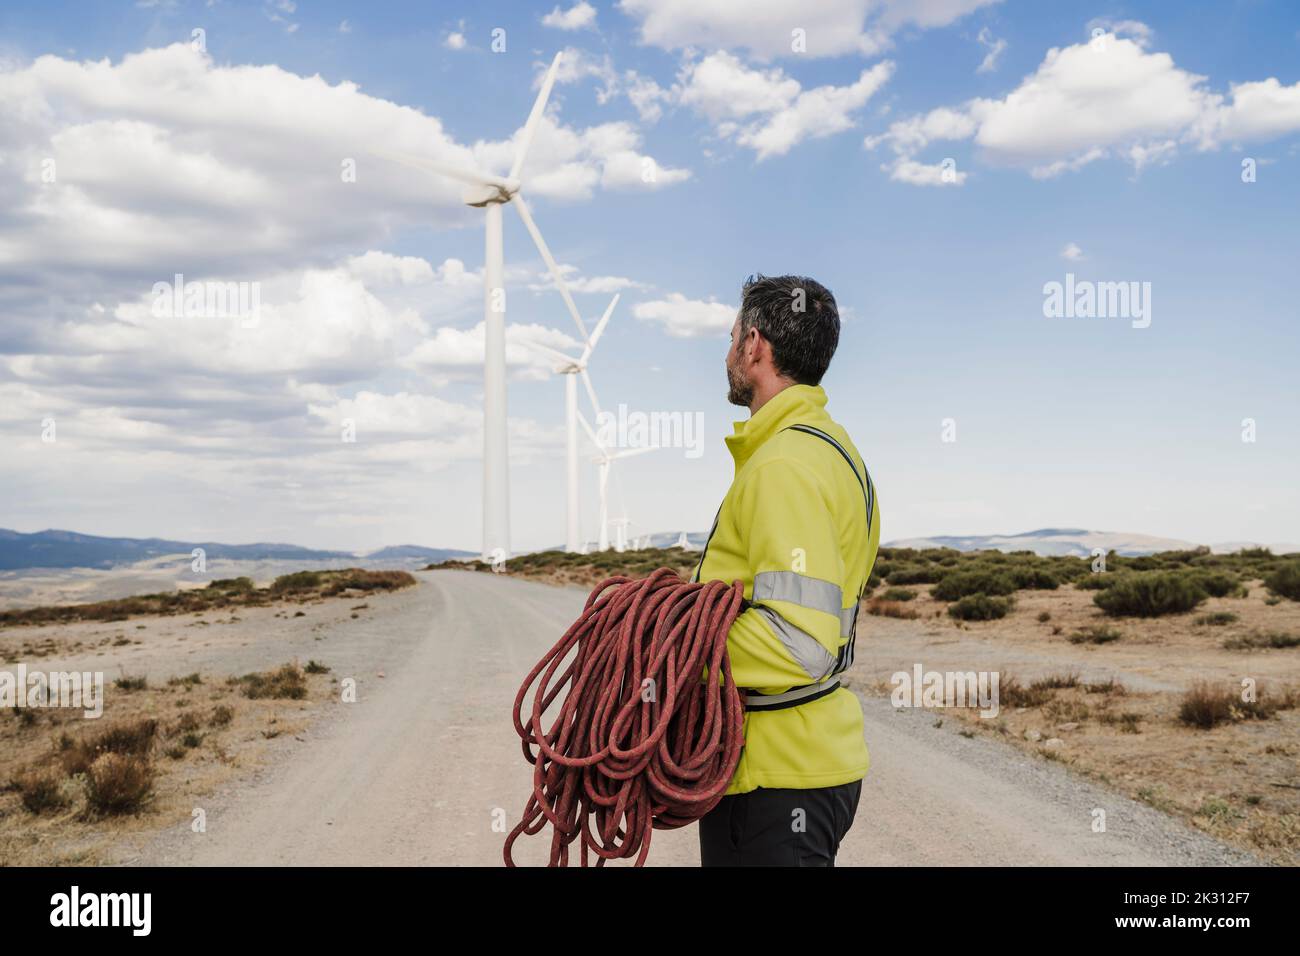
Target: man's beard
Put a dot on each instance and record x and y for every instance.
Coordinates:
(739, 391)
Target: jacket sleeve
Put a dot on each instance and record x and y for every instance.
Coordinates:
(792, 633)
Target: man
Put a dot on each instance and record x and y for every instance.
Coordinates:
(800, 527)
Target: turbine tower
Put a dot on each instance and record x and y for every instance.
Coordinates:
(604, 460)
(489, 193)
(571, 369)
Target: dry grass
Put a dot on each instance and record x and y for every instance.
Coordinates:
(895, 609)
(228, 593)
(83, 791)
(1234, 773)
(588, 570)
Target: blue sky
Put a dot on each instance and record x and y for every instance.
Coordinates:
(1104, 141)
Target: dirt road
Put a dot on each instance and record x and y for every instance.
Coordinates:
(423, 765)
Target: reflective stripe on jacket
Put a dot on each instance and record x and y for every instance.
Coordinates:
(793, 529)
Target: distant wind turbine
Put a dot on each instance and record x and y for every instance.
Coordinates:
(490, 193)
(604, 460)
(571, 369)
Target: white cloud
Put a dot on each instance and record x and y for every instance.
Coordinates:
(569, 164)
(454, 353)
(580, 16)
(768, 111)
(764, 27)
(161, 166)
(1072, 252)
(455, 41)
(687, 318)
(995, 47)
(1135, 30)
(582, 283)
(1107, 97)
(646, 96)
(721, 87)
(1260, 110)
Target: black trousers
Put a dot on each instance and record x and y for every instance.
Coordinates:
(779, 827)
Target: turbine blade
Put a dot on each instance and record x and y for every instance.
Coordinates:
(533, 231)
(600, 328)
(591, 389)
(582, 419)
(631, 452)
(546, 350)
(539, 106)
(471, 176)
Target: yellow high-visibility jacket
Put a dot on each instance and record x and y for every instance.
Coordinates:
(793, 527)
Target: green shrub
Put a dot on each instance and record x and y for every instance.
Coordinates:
(298, 581)
(1098, 581)
(897, 594)
(1218, 584)
(1150, 594)
(1095, 635)
(1217, 619)
(1035, 579)
(915, 574)
(1284, 581)
(983, 581)
(980, 607)
(1273, 639)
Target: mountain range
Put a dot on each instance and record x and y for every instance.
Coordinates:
(1076, 541)
(68, 549)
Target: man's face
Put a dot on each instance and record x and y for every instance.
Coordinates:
(740, 390)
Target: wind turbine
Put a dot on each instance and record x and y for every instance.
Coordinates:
(571, 369)
(489, 193)
(604, 460)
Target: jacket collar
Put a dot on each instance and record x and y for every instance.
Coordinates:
(797, 403)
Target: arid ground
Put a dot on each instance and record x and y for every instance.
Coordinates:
(422, 766)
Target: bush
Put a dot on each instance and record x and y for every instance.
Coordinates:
(959, 584)
(298, 581)
(980, 607)
(132, 738)
(1035, 579)
(1012, 693)
(1285, 581)
(286, 683)
(891, 609)
(41, 790)
(1094, 582)
(1205, 706)
(1150, 594)
(1273, 639)
(914, 574)
(1044, 617)
(1095, 635)
(131, 683)
(118, 783)
(1219, 584)
(897, 594)
(1217, 619)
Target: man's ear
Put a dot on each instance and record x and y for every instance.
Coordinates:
(757, 344)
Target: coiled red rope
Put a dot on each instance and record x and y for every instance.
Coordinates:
(642, 740)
